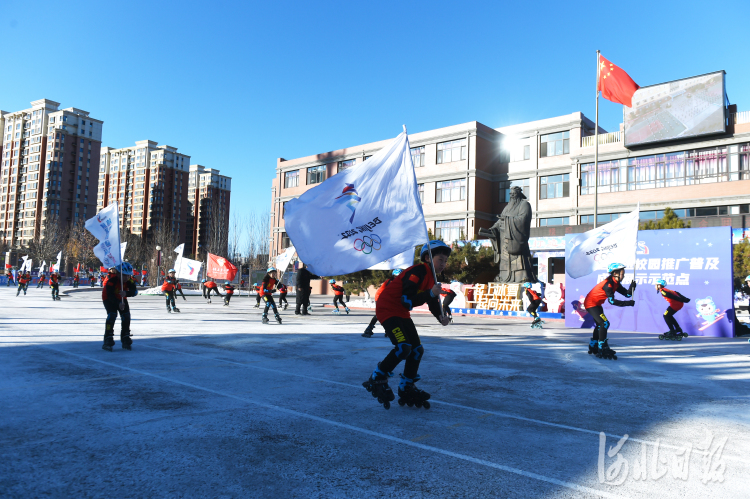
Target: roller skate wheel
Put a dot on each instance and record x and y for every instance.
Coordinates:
(410, 403)
(367, 386)
(614, 357)
(426, 404)
(418, 404)
(679, 338)
(387, 404)
(684, 335)
(661, 336)
(401, 402)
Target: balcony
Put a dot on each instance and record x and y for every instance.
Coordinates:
(741, 117)
(604, 138)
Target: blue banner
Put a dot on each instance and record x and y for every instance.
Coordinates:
(695, 262)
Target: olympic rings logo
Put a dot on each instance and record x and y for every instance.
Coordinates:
(367, 244)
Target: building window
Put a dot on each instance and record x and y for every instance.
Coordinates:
(285, 241)
(316, 174)
(506, 185)
(601, 219)
(554, 186)
(420, 188)
(283, 209)
(343, 165)
(547, 222)
(454, 150)
(417, 156)
(554, 144)
(450, 230)
(450, 190)
(519, 152)
(291, 179)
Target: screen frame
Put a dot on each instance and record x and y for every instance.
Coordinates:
(689, 137)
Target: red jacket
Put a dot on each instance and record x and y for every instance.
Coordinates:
(112, 291)
(267, 288)
(409, 289)
(210, 284)
(24, 279)
(605, 291)
(229, 289)
(53, 280)
(282, 289)
(338, 290)
(532, 295)
(674, 298)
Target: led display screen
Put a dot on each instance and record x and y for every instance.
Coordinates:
(675, 110)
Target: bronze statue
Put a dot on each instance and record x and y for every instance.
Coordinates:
(510, 240)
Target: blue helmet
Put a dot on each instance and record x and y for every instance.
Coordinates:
(332, 281)
(661, 282)
(527, 285)
(227, 283)
(203, 280)
(124, 268)
(437, 247)
(397, 272)
(615, 266)
(270, 269)
(171, 270)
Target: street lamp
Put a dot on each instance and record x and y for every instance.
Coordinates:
(158, 265)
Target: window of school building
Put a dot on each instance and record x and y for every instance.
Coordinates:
(554, 186)
(450, 230)
(554, 144)
(316, 174)
(451, 190)
(454, 150)
(506, 185)
(417, 156)
(291, 179)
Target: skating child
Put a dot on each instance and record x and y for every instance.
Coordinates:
(40, 280)
(228, 292)
(54, 284)
(267, 288)
(258, 294)
(23, 283)
(169, 287)
(534, 301)
(605, 291)
(369, 329)
(282, 295)
(76, 281)
(92, 280)
(338, 296)
(9, 276)
(208, 288)
(412, 288)
(676, 301)
(115, 293)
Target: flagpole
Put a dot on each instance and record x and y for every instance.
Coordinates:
(596, 147)
(119, 252)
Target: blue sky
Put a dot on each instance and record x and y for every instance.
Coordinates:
(238, 84)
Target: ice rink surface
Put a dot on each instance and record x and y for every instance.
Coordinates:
(211, 403)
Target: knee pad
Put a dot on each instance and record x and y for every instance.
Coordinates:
(417, 352)
(111, 317)
(403, 350)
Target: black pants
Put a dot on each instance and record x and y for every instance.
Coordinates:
(55, 290)
(268, 300)
(671, 321)
(112, 310)
(170, 298)
(303, 300)
(340, 299)
(373, 321)
(407, 346)
(532, 308)
(10, 281)
(207, 292)
(22, 287)
(447, 305)
(602, 323)
(227, 297)
(282, 299)
(257, 299)
(40, 284)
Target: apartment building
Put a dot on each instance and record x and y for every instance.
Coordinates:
(45, 169)
(465, 173)
(209, 193)
(149, 183)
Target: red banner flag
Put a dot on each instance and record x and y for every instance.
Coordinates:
(220, 268)
(103, 269)
(8, 266)
(615, 84)
(135, 272)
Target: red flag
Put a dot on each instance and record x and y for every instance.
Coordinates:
(103, 269)
(220, 268)
(615, 84)
(135, 272)
(8, 266)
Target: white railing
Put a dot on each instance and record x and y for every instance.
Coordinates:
(742, 117)
(604, 138)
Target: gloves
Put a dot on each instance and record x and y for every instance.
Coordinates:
(630, 303)
(121, 306)
(632, 287)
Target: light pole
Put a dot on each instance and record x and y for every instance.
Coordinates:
(158, 265)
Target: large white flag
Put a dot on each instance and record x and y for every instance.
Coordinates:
(57, 265)
(282, 260)
(122, 250)
(41, 268)
(361, 216)
(25, 259)
(400, 261)
(188, 269)
(597, 248)
(105, 226)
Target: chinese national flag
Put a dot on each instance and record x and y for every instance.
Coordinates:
(615, 84)
(220, 268)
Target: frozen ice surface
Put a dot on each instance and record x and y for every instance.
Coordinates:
(211, 403)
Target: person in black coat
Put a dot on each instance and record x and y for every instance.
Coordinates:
(303, 290)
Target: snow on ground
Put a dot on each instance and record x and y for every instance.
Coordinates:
(211, 403)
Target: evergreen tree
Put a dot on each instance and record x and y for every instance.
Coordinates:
(741, 262)
(669, 221)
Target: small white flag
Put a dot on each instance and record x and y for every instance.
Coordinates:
(105, 226)
(282, 260)
(614, 242)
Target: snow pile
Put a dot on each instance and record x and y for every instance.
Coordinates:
(366, 303)
(157, 291)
